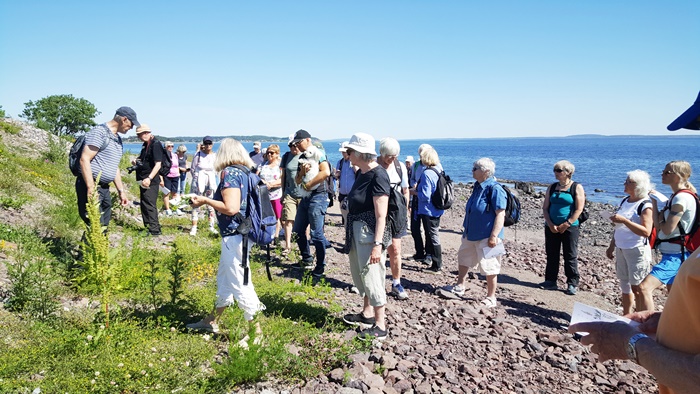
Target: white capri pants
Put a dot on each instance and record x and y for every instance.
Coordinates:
(229, 279)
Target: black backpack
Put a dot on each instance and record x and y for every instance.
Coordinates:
(76, 151)
(444, 195)
(397, 211)
(512, 206)
(166, 163)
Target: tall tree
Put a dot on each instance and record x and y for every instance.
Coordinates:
(61, 114)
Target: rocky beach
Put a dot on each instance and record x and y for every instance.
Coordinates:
(454, 345)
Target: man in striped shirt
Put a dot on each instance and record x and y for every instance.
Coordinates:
(101, 155)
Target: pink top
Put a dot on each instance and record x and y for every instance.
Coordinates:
(174, 167)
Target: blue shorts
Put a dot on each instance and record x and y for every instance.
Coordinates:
(668, 267)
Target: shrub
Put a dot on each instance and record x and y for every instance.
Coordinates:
(56, 152)
(9, 128)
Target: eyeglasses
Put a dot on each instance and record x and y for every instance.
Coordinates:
(558, 170)
(667, 172)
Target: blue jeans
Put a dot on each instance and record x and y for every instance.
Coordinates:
(312, 211)
(181, 187)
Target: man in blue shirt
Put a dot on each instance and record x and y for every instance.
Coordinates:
(483, 230)
(345, 174)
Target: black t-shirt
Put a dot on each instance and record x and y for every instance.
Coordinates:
(151, 152)
(374, 182)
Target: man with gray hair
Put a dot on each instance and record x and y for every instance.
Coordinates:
(100, 156)
(345, 174)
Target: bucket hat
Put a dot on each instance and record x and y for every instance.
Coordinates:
(343, 146)
(690, 119)
(363, 143)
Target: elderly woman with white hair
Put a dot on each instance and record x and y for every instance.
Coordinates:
(562, 209)
(367, 235)
(483, 229)
(389, 150)
(428, 214)
(416, 174)
(630, 242)
(230, 201)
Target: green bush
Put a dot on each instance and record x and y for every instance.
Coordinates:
(56, 152)
(9, 128)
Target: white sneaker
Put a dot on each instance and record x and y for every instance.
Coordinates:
(213, 230)
(168, 212)
(457, 289)
(178, 212)
(193, 231)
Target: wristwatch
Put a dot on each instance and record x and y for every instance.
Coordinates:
(632, 347)
(377, 243)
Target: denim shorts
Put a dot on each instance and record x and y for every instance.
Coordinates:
(668, 267)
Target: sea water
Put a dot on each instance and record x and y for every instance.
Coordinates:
(601, 162)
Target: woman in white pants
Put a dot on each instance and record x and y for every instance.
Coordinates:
(229, 200)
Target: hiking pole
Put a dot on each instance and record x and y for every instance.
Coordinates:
(267, 264)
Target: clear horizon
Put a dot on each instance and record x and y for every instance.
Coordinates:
(390, 68)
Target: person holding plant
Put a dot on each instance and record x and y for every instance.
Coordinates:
(229, 201)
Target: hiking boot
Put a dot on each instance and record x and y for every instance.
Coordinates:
(372, 333)
(355, 319)
(318, 271)
(432, 270)
(456, 289)
(571, 290)
(399, 292)
(549, 285)
(204, 326)
(418, 257)
(307, 263)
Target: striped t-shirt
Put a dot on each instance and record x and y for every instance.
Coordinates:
(107, 159)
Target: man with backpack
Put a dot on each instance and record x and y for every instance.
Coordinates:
(100, 156)
(312, 208)
(147, 167)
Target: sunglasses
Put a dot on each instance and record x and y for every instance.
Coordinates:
(475, 169)
(667, 172)
(349, 150)
(558, 170)
(208, 143)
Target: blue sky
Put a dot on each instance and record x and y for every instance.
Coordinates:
(407, 69)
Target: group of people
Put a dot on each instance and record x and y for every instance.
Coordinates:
(380, 198)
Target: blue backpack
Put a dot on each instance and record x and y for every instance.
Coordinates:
(259, 221)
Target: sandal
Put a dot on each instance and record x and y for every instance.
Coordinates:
(489, 302)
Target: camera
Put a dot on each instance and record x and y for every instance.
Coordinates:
(135, 167)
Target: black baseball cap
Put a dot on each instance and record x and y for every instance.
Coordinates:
(690, 119)
(207, 139)
(129, 114)
(300, 135)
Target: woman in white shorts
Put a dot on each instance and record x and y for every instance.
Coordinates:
(630, 241)
(483, 228)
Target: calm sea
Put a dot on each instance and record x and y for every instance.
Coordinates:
(601, 162)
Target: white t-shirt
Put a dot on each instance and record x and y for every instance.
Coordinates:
(272, 173)
(624, 237)
(688, 202)
(394, 176)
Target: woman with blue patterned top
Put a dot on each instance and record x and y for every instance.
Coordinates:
(229, 199)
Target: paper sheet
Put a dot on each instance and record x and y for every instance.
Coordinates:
(497, 250)
(660, 199)
(587, 313)
(606, 215)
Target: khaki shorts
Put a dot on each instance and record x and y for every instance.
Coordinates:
(633, 265)
(368, 278)
(471, 254)
(289, 208)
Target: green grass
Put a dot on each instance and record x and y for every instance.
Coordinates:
(146, 348)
